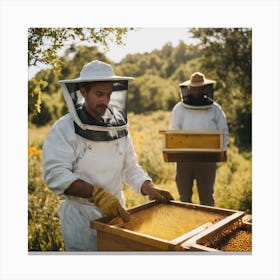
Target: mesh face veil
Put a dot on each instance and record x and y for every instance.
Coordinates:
(114, 124)
(205, 100)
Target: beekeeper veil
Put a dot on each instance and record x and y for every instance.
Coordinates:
(205, 100)
(114, 120)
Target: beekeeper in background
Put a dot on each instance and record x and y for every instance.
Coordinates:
(198, 111)
(88, 155)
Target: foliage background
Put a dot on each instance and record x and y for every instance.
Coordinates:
(223, 55)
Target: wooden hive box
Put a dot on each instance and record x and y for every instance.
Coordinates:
(154, 226)
(235, 236)
(193, 146)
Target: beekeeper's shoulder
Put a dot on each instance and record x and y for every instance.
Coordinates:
(65, 124)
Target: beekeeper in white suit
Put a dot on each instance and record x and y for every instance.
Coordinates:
(198, 111)
(88, 155)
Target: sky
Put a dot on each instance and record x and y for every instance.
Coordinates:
(147, 39)
(140, 40)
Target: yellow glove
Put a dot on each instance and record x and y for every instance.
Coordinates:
(108, 203)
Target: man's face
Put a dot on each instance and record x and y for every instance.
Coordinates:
(97, 98)
(196, 91)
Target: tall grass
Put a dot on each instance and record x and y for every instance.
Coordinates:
(232, 188)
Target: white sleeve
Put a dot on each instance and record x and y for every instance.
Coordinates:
(175, 122)
(134, 175)
(59, 159)
(222, 125)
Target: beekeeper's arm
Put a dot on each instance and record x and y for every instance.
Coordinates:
(108, 203)
(59, 157)
(176, 118)
(137, 179)
(222, 125)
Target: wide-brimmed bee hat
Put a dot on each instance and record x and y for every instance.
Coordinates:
(96, 71)
(197, 80)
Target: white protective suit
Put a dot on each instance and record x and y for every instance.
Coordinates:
(212, 118)
(68, 157)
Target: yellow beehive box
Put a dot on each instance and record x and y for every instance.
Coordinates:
(155, 226)
(190, 146)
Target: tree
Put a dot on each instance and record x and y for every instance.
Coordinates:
(151, 93)
(44, 45)
(227, 58)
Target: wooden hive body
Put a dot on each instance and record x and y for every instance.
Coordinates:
(159, 227)
(231, 237)
(193, 146)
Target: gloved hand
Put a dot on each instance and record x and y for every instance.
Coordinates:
(108, 203)
(161, 195)
(154, 193)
